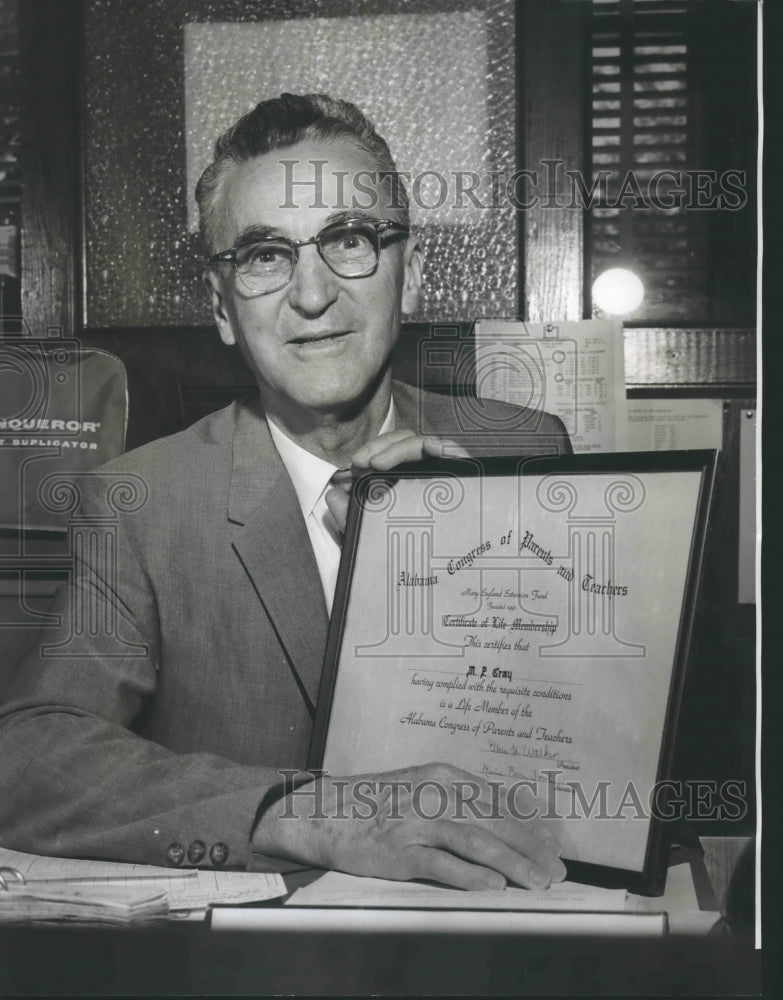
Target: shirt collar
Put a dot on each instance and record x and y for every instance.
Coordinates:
(309, 473)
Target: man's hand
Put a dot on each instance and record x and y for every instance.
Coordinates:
(396, 447)
(385, 452)
(433, 822)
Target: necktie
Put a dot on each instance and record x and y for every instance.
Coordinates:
(338, 495)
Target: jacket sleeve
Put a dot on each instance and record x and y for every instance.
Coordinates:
(75, 780)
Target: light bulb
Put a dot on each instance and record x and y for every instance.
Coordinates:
(618, 291)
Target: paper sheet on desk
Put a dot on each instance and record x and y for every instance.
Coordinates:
(679, 901)
(337, 889)
(680, 893)
(40, 868)
(222, 888)
(90, 903)
(208, 888)
(187, 889)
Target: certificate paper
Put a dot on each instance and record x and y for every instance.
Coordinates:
(527, 622)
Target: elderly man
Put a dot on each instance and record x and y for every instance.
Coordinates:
(157, 733)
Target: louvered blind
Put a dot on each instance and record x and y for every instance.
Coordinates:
(644, 149)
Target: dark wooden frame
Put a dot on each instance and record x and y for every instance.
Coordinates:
(50, 45)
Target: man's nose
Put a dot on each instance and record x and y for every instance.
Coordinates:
(313, 286)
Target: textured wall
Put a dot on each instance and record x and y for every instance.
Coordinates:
(437, 78)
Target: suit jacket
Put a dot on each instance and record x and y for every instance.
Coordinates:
(149, 725)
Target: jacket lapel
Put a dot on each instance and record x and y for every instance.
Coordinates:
(271, 541)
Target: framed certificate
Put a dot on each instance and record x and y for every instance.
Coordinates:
(529, 621)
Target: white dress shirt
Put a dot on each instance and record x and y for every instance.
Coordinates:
(310, 476)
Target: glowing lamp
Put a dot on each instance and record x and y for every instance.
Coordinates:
(618, 291)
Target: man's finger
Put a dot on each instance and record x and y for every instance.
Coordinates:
(337, 501)
(395, 453)
(516, 806)
(388, 450)
(477, 845)
(439, 866)
(443, 448)
(525, 839)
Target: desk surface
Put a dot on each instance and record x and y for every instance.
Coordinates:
(180, 960)
(187, 959)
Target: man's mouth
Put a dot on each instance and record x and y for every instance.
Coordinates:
(319, 338)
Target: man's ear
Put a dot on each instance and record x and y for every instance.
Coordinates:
(214, 286)
(412, 277)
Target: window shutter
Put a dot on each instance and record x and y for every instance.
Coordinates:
(644, 123)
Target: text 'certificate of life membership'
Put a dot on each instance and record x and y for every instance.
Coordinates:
(526, 626)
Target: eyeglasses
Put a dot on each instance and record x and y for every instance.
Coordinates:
(350, 249)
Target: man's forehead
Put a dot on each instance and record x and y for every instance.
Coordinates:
(308, 175)
(305, 185)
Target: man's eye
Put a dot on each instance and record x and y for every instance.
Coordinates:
(349, 240)
(264, 255)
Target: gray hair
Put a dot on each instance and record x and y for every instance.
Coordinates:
(282, 122)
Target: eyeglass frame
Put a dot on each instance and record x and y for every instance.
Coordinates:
(378, 226)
